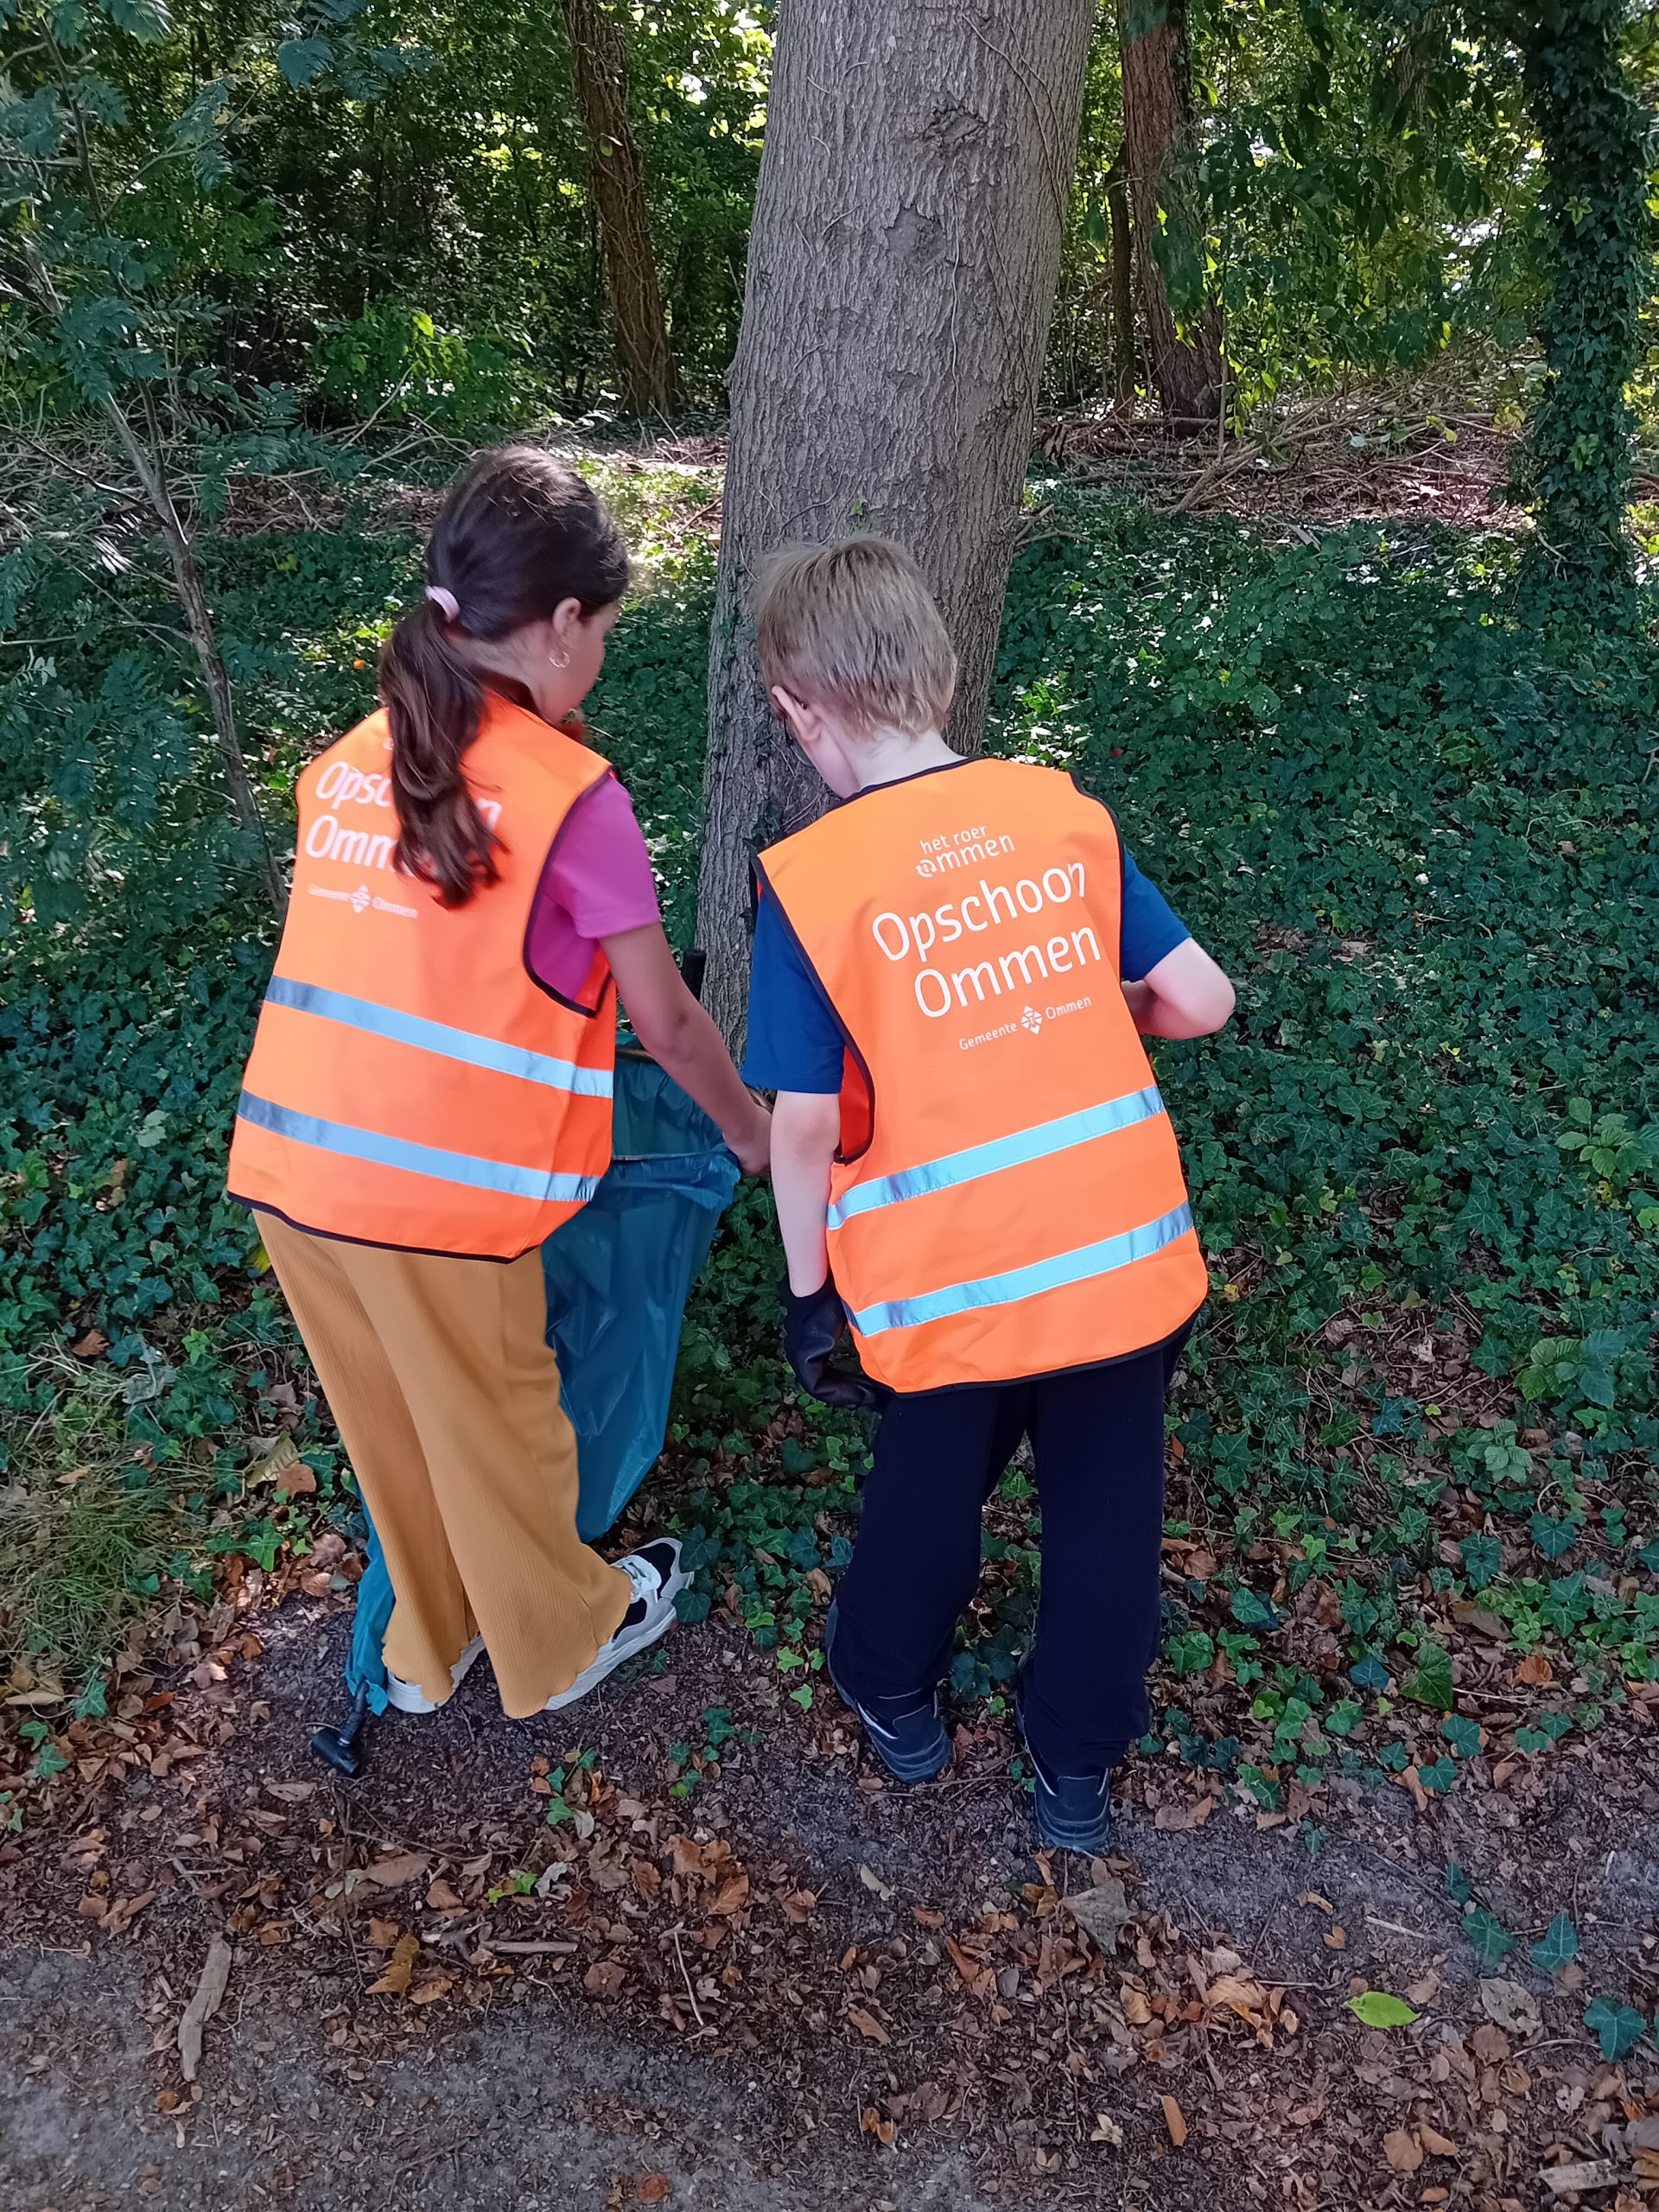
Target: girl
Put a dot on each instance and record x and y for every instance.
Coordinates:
(429, 1094)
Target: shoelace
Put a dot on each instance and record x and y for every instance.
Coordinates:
(644, 1576)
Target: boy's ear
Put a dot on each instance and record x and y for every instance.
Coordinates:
(788, 709)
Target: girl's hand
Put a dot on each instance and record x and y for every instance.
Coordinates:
(753, 1148)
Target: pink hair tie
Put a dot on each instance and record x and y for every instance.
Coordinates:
(445, 600)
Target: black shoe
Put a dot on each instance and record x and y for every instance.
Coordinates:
(906, 1733)
(1074, 1811)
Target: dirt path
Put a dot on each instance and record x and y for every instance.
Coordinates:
(736, 1969)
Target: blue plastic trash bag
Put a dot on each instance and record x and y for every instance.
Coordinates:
(619, 1274)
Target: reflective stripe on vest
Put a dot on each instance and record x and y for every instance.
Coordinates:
(978, 1159)
(439, 1037)
(544, 1185)
(1065, 1268)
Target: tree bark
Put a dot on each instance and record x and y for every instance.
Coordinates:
(902, 266)
(598, 66)
(1184, 355)
(1120, 343)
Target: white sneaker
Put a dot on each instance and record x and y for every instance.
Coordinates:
(658, 1579)
(409, 1697)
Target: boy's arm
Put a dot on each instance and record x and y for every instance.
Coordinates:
(1184, 996)
(805, 1129)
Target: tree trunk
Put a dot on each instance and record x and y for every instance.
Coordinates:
(902, 266)
(599, 65)
(1120, 342)
(1185, 351)
(1575, 473)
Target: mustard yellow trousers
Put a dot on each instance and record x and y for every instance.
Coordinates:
(447, 1399)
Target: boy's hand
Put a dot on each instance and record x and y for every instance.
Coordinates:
(813, 1326)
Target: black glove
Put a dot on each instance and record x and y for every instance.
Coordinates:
(813, 1326)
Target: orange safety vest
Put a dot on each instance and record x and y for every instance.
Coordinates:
(412, 1083)
(1007, 1198)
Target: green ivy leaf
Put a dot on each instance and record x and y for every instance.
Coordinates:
(1483, 1557)
(1463, 1734)
(1553, 1537)
(1251, 1611)
(1376, 2008)
(1616, 2028)
(1459, 1887)
(1488, 1938)
(1190, 1652)
(1431, 1684)
(1558, 1946)
(1439, 1776)
(1369, 1673)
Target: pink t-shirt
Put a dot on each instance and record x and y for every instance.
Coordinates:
(597, 883)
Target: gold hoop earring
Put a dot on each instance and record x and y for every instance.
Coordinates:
(559, 660)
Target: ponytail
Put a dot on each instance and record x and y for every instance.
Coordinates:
(434, 704)
(520, 533)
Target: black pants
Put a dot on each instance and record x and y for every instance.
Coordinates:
(1097, 1439)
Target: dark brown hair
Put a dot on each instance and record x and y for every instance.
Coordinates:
(520, 533)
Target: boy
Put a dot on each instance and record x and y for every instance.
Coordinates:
(974, 1171)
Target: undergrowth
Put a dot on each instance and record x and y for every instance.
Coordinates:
(1424, 1157)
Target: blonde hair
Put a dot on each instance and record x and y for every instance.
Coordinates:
(852, 627)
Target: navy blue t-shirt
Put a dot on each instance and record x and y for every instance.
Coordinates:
(795, 1041)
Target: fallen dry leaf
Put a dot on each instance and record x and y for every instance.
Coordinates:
(1581, 2174)
(1227, 1992)
(870, 2122)
(1136, 2011)
(654, 2189)
(210, 1985)
(868, 2024)
(90, 1346)
(1536, 1671)
(1402, 2150)
(976, 1977)
(392, 1873)
(443, 1898)
(1511, 2006)
(733, 1895)
(798, 1905)
(1335, 1939)
(122, 1914)
(1438, 2145)
(383, 1933)
(1490, 2043)
(429, 1991)
(394, 1982)
(1106, 2130)
(1102, 1911)
(874, 1881)
(606, 1977)
(1175, 2120)
(277, 1458)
